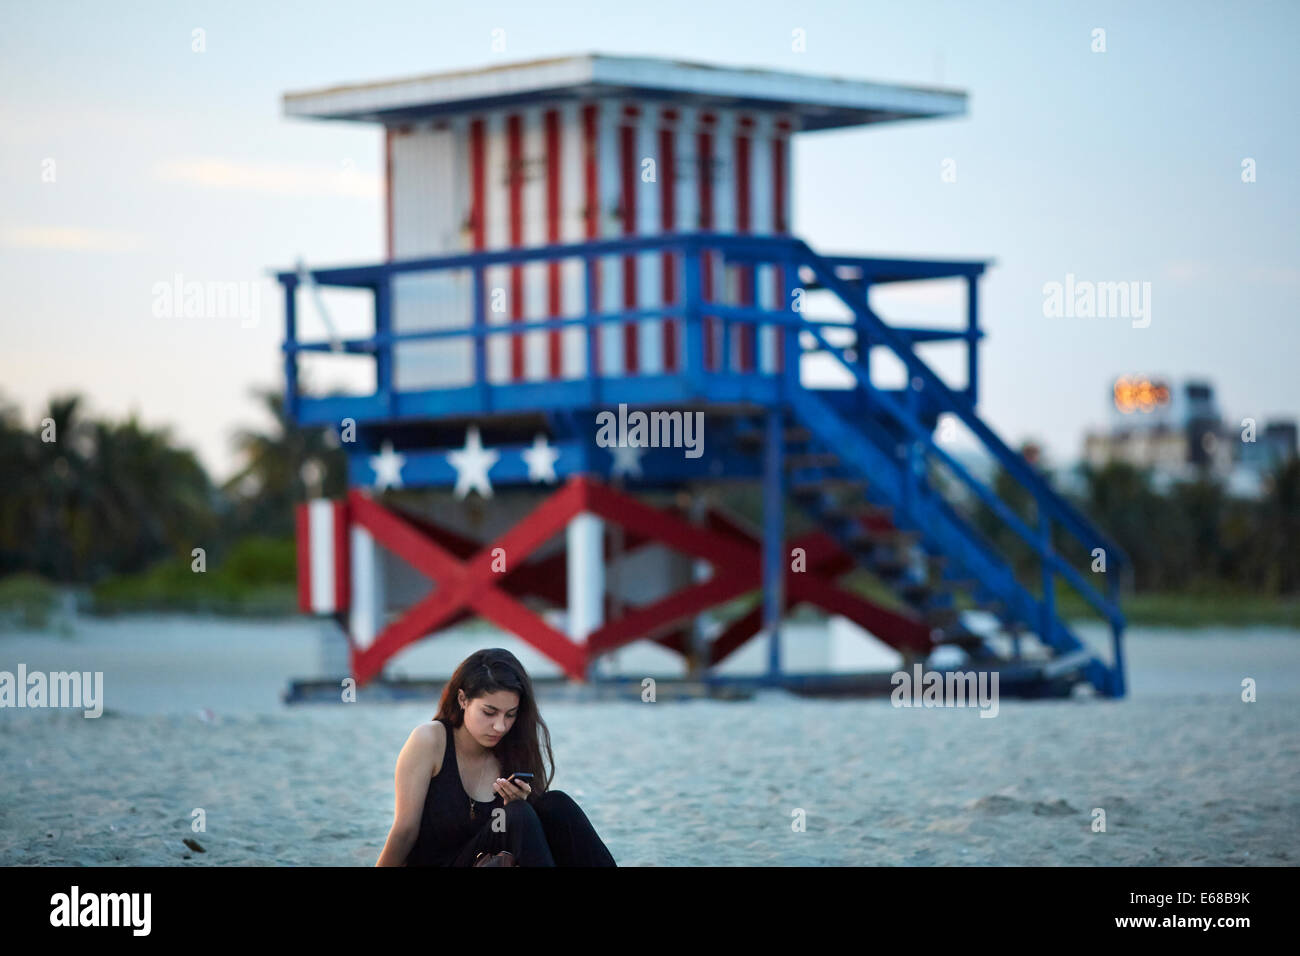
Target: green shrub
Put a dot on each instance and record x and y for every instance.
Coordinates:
(258, 576)
(27, 601)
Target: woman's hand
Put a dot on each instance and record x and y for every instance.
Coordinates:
(512, 789)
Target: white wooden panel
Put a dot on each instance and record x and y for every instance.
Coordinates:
(497, 236)
(649, 267)
(430, 203)
(761, 219)
(573, 200)
(320, 530)
(610, 188)
(366, 615)
(536, 354)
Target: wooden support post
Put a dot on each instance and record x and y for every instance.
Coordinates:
(773, 543)
(1049, 583)
(586, 576)
(725, 365)
(593, 332)
(384, 350)
(751, 333)
(291, 340)
(792, 348)
(693, 319)
(698, 658)
(366, 615)
(480, 338)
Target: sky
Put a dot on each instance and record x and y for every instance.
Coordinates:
(128, 158)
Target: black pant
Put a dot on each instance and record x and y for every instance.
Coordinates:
(552, 830)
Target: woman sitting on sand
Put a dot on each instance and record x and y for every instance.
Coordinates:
(487, 728)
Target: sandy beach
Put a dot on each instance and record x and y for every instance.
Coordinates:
(1186, 772)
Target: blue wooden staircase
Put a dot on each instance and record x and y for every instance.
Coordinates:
(860, 471)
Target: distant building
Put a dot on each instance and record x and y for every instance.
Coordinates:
(1274, 444)
(1179, 433)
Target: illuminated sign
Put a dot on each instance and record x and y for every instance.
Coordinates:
(1140, 394)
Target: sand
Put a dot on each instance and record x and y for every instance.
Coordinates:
(1186, 772)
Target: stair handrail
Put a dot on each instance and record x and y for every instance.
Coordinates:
(1054, 633)
(1075, 522)
(1009, 517)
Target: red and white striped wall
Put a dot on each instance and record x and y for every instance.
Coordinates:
(323, 573)
(340, 569)
(566, 172)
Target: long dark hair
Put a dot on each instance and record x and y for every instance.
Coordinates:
(520, 750)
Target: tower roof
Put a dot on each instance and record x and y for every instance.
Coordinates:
(820, 102)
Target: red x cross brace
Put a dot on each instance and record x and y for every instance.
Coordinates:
(467, 584)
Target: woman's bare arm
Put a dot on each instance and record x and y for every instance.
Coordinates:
(415, 765)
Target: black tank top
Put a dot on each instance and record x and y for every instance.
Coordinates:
(445, 824)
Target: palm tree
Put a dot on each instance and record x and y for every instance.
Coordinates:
(53, 488)
(17, 455)
(147, 497)
(271, 482)
(82, 499)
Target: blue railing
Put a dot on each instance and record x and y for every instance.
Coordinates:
(690, 248)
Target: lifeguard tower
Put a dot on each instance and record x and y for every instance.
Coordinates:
(587, 258)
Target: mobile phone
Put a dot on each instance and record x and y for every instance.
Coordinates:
(520, 776)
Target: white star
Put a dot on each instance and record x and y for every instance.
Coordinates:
(627, 460)
(387, 466)
(541, 460)
(472, 464)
